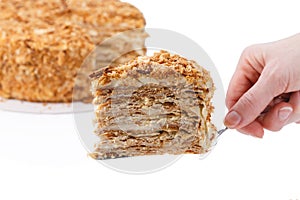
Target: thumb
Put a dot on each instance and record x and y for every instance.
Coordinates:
(251, 104)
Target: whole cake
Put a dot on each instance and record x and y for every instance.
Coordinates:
(44, 42)
(153, 105)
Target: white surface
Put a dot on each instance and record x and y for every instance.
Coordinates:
(41, 108)
(41, 156)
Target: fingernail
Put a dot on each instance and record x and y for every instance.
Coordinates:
(284, 113)
(232, 119)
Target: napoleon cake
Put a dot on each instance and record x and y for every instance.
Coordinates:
(43, 43)
(153, 105)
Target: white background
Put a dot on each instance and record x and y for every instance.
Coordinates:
(41, 156)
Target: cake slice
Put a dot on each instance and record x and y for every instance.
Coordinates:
(152, 106)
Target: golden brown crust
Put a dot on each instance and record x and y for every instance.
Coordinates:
(193, 72)
(44, 42)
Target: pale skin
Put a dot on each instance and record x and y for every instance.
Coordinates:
(264, 72)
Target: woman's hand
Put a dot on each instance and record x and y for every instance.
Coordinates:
(265, 73)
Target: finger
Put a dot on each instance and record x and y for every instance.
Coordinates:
(238, 85)
(247, 73)
(277, 117)
(254, 129)
(295, 102)
(251, 104)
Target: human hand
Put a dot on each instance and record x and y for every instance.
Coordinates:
(264, 72)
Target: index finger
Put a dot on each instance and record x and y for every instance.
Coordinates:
(248, 70)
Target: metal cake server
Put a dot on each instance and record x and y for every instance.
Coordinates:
(281, 98)
(220, 132)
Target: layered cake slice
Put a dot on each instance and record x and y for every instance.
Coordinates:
(152, 106)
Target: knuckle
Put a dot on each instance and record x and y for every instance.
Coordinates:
(229, 103)
(247, 51)
(251, 49)
(274, 73)
(276, 78)
(248, 101)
